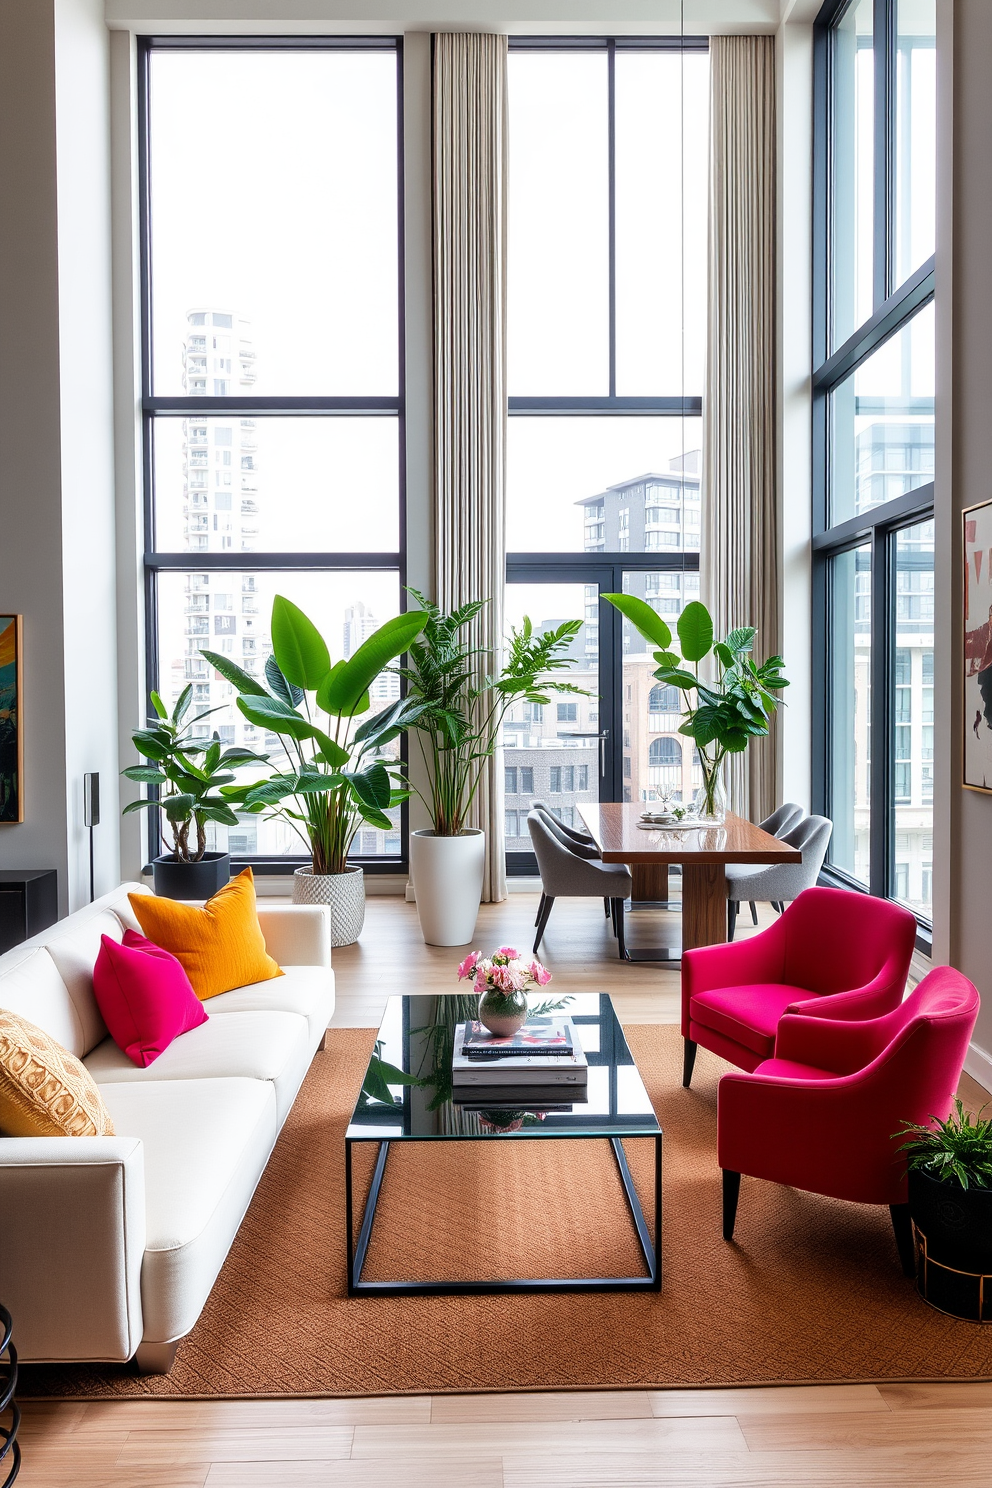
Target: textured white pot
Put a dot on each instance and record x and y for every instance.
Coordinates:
(344, 892)
(447, 880)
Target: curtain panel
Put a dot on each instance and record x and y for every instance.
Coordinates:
(470, 182)
(741, 570)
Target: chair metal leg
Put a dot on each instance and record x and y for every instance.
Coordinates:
(618, 923)
(542, 919)
(731, 1193)
(688, 1060)
(732, 907)
(902, 1225)
(754, 912)
(540, 907)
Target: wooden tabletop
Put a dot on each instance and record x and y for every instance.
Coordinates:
(621, 840)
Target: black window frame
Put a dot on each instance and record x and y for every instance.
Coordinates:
(603, 569)
(894, 308)
(154, 407)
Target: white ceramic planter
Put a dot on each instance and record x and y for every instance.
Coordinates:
(344, 892)
(447, 877)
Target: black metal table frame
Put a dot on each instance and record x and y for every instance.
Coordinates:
(651, 1252)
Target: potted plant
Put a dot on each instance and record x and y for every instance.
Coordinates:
(189, 775)
(457, 726)
(334, 777)
(502, 982)
(731, 708)
(950, 1203)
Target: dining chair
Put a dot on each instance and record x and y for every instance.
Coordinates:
(565, 874)
(789, 814)
(778, 883)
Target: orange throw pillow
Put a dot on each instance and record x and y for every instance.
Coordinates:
(220, 946)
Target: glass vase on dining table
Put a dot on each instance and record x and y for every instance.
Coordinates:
(711, 797)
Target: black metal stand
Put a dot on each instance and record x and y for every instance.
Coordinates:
(650, 1249)
(10, 1447)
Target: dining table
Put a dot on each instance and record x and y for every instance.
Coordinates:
(701, 850)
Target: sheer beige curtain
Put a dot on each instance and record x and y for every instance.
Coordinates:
(470, 161)
(740, 551)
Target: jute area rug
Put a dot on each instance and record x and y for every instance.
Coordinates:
(810, 1292)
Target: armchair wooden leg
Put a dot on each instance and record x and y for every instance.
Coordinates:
(732, 908)
(688, 1060)
(606, 907)
(540, 908)
(731, 1193)
(903, 1228)
(542, 919)
(754, 912)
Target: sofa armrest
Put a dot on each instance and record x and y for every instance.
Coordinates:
(297, 934)
(73, 1242)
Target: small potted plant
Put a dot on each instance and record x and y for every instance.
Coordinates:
(335, 776)
(189, 774)
(502, 981)
(732, 707)
(950, 1204)
(458, 726)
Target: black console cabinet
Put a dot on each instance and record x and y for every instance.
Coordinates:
(29, 902)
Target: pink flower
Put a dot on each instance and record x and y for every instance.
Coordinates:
(502, 977)
(508, 952)
(468, 965)
(541, 974)
(481, 980)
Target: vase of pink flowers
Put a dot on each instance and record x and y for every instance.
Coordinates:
(502, 981)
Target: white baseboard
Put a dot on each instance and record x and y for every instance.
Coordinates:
(978, 1064)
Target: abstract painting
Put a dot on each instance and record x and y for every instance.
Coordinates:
(11, 743)
(978, 647)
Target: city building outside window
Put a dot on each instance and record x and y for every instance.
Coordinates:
(271, 373)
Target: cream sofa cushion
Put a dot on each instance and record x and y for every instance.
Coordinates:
(206, 1143)
(254, 1046)
(306, 990)
(30, 986)
(74, 945)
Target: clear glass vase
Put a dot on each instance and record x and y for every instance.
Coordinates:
(502, 1012)
(711, 797)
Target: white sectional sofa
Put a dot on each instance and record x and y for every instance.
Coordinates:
(109, 1246)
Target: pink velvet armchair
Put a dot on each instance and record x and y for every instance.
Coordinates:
(820, 1115)
(834, 953)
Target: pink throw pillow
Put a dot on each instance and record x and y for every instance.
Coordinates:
(144, 995)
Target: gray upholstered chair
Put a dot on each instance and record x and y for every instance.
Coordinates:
(577, 835)
(781, 820)
(566, 875)
(779, 882)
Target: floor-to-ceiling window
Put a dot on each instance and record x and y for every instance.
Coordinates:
(272, 368)
(873, 437)
(606, 344)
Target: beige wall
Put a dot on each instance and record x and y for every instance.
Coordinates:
(964, 310)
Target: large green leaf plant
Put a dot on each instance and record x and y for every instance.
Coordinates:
(724, 710)
(336, 776)
(188, 774)
(460, 714)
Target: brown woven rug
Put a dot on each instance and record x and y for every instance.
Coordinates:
(811, 1292)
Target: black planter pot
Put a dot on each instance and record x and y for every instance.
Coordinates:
(953, 1230)
(191, 880)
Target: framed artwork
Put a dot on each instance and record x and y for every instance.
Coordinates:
(11, 741)
(977, 553)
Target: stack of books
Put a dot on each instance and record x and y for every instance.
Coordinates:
(545, 1056)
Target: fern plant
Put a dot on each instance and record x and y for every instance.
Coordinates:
(958, 1150)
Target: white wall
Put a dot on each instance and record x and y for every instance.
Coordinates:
(56, 451)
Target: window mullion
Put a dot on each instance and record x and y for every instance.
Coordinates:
(611, 100)
(884, 30)
(880, 835)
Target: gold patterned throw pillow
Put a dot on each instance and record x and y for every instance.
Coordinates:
(44, 1090)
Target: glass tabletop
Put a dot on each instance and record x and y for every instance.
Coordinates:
(415, 1041)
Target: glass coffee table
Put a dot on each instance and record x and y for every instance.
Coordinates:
(415, 1038)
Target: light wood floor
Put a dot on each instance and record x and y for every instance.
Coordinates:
(899, 1435)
